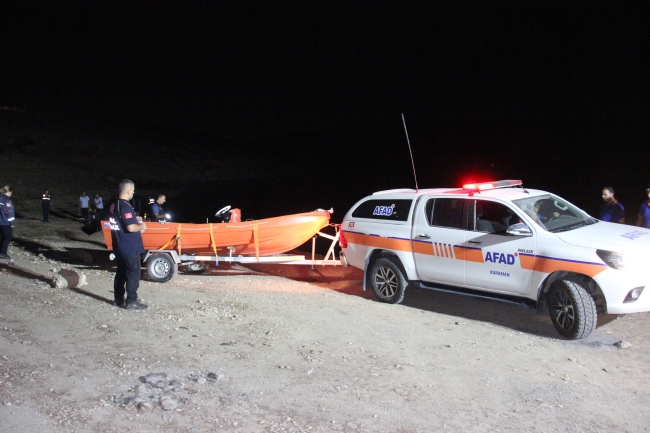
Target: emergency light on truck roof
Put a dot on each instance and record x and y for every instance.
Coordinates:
(483, 186)
(492, 185)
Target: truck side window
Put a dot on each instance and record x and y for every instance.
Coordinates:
(445, 212)
(393, 210)
(493, 217)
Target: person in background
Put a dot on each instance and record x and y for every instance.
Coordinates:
(99, 206)
(157, 211)
(83, 206)
(46, 204)
(7, 220)
(643, 216)
(149, 204)
(543, 218)
(612, 210)
(127, 245)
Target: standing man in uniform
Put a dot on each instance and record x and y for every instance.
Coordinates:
(83, 206)
(612, 210)
(127, 245)
(7, 220)
(157, 211)
(46, 204)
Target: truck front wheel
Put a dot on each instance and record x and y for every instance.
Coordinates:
(388, 281)
(572, 309)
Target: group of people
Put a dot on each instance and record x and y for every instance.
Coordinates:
(126, 227)
(85, 206)
(155, 208)
(613, 211)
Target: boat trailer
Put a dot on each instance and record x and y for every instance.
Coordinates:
(162, 265)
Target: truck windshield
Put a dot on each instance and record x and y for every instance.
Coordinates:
(554, 214)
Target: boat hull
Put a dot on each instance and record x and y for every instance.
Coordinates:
(263, 237)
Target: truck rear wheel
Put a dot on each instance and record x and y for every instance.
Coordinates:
(572, 309)
(161, 267)
(388, 281)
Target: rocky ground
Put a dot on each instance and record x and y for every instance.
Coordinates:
(286, 349)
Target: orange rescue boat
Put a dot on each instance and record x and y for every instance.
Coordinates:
(265, 237)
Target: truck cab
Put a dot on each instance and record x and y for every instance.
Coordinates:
(500, 240)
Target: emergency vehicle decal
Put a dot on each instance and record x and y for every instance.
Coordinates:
(419, 247)
(372, 240)
(633, 235)
(470, 254)
(384, 210)
(531, 262)
(553, 264)
(496, 257)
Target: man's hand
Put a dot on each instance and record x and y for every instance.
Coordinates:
(139, 226)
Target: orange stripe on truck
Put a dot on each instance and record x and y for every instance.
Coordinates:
(531, 262)
(423, 248)
(378, 241)
(550, 264)
(470, 254)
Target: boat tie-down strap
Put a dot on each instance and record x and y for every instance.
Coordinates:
(214, 246)
(178, 239)
(168, 242)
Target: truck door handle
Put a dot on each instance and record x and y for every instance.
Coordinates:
(423, 236)
(475, 242)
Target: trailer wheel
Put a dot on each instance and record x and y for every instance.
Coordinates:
(161, 268)
(388, 282)
(572, 309)
(196, 267)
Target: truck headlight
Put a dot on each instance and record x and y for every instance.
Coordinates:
(613, 259)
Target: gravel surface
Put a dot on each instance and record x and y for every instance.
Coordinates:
(284, 348)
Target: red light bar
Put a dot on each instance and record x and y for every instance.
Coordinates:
(479, 186)
(492, 185)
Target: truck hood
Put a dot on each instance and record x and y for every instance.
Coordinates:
(608, 236)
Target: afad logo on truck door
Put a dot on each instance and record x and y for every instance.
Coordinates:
(384, 210)
(506, 259)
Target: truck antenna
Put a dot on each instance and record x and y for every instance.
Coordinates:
(412, 162)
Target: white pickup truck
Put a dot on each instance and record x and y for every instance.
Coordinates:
(500, 240)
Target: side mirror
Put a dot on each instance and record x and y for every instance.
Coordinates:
(519, 229)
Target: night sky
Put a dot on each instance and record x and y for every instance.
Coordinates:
(555, 93)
